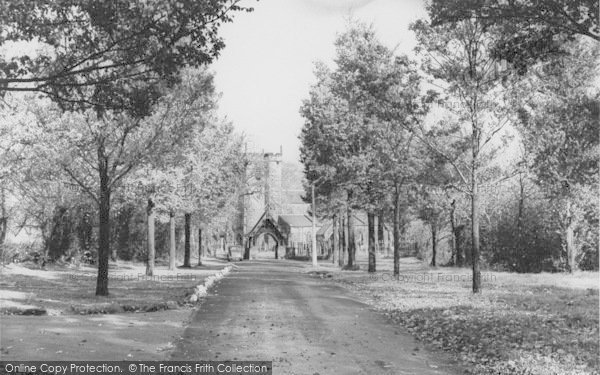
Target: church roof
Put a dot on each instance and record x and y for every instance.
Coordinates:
(296, 220)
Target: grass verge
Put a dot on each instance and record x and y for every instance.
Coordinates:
(519, 324)
(71, 290)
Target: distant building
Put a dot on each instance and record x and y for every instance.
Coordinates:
(273, 217)
(274, 220)
(297, 230)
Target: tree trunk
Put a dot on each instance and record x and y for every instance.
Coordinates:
(351, 239)
(104, 223)
(247, 245)
(397, 231)
(186, 252)
(342, 235)
(193, 247)
(3, 222)
(569, 238)
(336, 240)
(434, 244)
(453, 256)
(520, 246)
(114, 237)
(150, 216)
(372, 244)
(381, 232)
(200, 246)
(521, 207)
(460, 251)
(343, 240)
(3, 217)
(475, 218)
(172, 242)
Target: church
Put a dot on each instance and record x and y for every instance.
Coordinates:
(273, 220)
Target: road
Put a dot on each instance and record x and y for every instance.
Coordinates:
(271, 310)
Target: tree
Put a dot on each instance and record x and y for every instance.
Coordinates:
(322, 140)
(211, 174)
(560, 131)
(431, 208)
(459, 55)
(218, 164)
(402, 109)
(530, 30)
(46, 199)
(457, 214)
(107, 54)
(13, 152)
(163, 180)
(98, 152)
(348, 106)
(357, 138)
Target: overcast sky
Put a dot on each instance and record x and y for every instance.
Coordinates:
(266, 68)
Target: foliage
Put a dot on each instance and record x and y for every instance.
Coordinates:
(356, 141)
(532, 246)
(531, 30)
(432, 207)
(559, 126)
(184, 119)
(108, 54)
(344, 103)
(321, 139)
(560, 122)
(94, 152)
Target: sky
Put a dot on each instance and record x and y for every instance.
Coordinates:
(266, 68)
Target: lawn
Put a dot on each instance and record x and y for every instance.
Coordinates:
(62, 289)
(141, 319)
(519, 324)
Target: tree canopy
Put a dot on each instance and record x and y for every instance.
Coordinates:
(113, 54)
(531, 29)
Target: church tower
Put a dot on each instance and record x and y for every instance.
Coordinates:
(273, 187)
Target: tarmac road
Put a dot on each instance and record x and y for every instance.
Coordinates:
(271, 310)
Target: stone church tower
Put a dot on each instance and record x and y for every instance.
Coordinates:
(273, 193)
(270, 205)
(265, 193)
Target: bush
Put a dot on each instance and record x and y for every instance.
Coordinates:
(533, 247)
(62, 233)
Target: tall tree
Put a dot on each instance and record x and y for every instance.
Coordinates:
(460, 56)
(98, 152)
(164, 179)
(346, 104)
(402, 108)
(15, 152)
(431, 208)
(321, 141)
(559, 126)
(218, 165)
(357, 134)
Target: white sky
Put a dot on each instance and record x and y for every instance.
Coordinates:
(266, 68)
